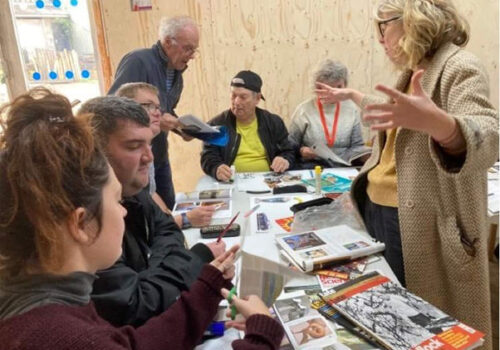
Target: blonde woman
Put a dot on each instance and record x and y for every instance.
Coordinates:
(423, 191)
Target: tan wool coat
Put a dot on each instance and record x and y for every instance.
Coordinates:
(443, 203)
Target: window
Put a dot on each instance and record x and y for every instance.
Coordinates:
(55, 43)
(4, 94)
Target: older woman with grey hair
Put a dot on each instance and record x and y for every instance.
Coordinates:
(328, 134)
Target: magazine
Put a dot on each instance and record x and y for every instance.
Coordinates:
(192, 125)
(398, 319)
(331, 183)
(304, 326)
(333, 160)
(315, 250)
(220, 198)
(347, 333)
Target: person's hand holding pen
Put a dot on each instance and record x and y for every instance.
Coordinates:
(223, 173)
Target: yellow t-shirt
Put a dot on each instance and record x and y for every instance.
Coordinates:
(251, 156)
(383, 180)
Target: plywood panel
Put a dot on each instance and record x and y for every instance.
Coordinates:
(282, 40)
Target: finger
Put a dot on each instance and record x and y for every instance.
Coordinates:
(395, 94)
(382, 126)
(383, 107)
(236, 325)
(224, 292)
(415, 83)
(222, 258)
(234, 248)
(379, 117)
(322, 85)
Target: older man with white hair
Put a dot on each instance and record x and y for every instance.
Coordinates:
(162, 65)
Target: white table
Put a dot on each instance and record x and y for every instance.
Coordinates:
(241, 203)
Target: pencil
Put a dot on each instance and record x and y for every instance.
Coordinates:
(227, 227)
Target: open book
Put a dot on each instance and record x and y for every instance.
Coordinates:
(325, 153)
(220, 198)
(398, 319)
(317, 249)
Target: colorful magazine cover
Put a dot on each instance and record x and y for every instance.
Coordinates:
(399, 319)
(331, 183)
(285, 223)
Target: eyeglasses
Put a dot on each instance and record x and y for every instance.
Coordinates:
(190, 50)
(151, 107)
(382, 25)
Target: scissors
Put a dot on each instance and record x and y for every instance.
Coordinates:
(232, 293)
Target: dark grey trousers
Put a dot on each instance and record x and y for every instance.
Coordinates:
(382, 223)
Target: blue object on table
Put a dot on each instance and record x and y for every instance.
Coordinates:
(215, 329)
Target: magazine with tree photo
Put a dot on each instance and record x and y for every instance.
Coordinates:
(315, 250)
(397, 318)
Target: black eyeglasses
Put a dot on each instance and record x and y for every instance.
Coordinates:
(382, 25)
(151, 107)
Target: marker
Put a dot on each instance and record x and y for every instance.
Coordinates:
(251, 211)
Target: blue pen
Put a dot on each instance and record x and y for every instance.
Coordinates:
(311, 173)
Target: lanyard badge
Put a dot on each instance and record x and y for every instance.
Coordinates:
(330, 139)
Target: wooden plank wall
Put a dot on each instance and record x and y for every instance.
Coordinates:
(282, 40)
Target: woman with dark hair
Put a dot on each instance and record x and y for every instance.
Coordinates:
(60, 221)
(423, 191)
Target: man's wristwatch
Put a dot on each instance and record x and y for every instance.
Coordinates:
(185, 221)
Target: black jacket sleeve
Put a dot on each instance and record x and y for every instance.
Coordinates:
(212, 156)
(284, 146)
(127, 294)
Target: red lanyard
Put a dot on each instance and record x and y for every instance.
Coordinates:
(329, 139)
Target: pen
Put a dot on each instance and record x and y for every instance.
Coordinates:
(227, 227)
(251, 211)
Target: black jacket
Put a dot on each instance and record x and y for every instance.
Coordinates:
(155, 267)
(272, 132)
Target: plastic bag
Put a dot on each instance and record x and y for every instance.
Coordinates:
(339, 212)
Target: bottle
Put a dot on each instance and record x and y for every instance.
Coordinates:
(233, 174)
(317, 176)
